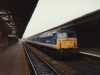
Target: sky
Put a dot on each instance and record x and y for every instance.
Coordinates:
(52, 13)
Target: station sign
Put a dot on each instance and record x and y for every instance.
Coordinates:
(11, 35)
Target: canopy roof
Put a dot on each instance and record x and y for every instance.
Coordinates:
(16, 15)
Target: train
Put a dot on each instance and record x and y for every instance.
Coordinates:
(56, 42)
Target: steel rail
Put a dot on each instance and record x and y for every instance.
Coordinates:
(29, 59)
(41, 66)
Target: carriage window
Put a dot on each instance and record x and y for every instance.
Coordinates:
(62, 35)
(71, 35)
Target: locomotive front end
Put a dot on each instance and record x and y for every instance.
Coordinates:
(67, 41)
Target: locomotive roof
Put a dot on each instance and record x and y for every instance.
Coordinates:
(50, 33)
(66, 30)
(16, 14)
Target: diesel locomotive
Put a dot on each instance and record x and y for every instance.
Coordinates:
(57, 42)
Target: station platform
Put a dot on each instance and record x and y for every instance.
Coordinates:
(90, 51)
(13, 61)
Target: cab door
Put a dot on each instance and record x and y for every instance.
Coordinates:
(54, 39)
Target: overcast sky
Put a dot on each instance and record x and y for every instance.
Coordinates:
(51, 13)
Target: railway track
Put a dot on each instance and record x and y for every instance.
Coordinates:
(74, 67)
(39, 66)
(84, 69)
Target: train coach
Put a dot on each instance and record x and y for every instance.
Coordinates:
(57, 42)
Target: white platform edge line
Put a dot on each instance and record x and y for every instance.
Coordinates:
(90, 54)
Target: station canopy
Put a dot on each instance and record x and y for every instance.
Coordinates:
(15, 15)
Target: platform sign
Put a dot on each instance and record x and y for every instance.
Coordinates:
(12, 36)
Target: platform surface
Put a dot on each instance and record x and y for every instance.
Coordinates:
(13, 61)
(90, 51)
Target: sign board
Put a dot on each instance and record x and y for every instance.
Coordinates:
(12, 36)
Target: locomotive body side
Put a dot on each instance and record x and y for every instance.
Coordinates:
(63, 40)
(62, 43)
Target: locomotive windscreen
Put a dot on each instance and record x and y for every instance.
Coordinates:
(62, 35)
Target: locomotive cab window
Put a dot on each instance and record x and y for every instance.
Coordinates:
(71, 35)
(62, 35)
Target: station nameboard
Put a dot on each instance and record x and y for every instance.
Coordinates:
(12, 36)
